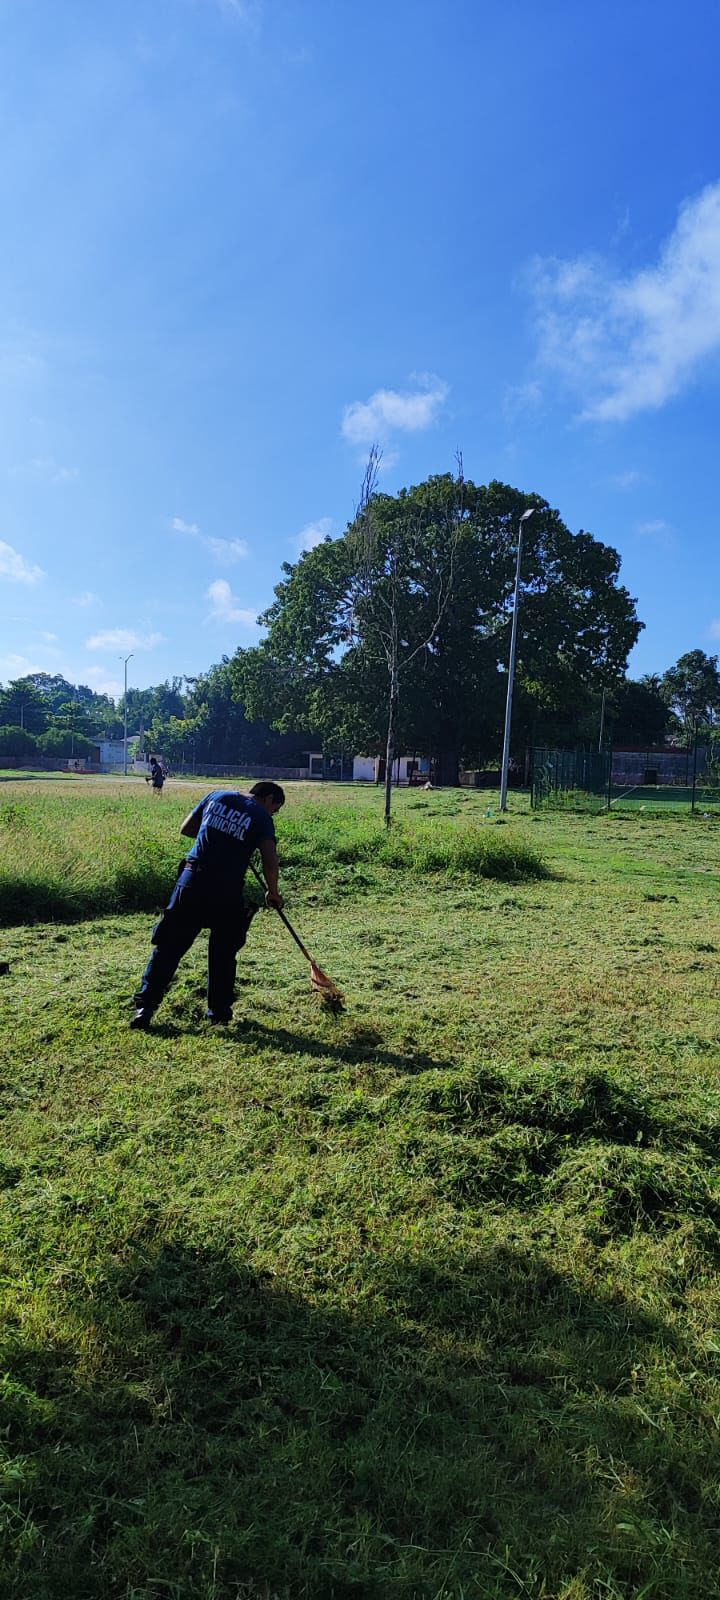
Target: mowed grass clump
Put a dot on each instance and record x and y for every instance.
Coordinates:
(68, 851)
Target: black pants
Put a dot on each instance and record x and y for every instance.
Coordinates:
(195, 903)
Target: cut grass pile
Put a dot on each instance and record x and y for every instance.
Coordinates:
(421, 1302)
(69, 851)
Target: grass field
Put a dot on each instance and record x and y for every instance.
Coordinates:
(418, 1301)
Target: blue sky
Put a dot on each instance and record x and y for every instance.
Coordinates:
(243, 239)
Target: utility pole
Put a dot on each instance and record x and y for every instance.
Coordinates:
(125, 659)
(511, 668)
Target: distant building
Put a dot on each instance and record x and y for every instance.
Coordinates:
(367, 769)
(406, 769)
(111, 755)
(664, 764)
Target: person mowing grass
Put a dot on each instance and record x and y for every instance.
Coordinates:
(157, 776)
(227, 827)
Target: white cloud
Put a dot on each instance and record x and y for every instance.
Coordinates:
(225, 607)
(245, 10)
(87, 598)
(657, 526)
(522, 397)
(390, 411)
(19, 363)
(228, 551)
(15, 567)
(629, 479)
(15, 666)
(313, 533)
(54, 471)
(49, 638)
(629, 344)
(99, 679)
(123, 639)
(656, 530)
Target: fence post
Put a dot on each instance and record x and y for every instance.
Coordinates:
(609, 781)
(694, 782)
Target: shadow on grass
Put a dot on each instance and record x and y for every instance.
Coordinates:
(365, 1045)
(30, 904)
(487, 1431)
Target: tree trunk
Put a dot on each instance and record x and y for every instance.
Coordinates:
(390, 746)
(447, 767)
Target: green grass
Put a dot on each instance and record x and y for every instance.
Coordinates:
(638, 797)
(418, 1301)
(88, 848)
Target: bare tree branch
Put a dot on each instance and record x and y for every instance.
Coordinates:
(385, 574)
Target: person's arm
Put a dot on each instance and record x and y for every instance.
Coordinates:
(271, 869)
(191, 826)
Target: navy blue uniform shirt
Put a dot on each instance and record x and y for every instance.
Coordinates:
(231, 827)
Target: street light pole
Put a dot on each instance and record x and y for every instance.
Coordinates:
(125, 659)
(511, 667)
(602, 722)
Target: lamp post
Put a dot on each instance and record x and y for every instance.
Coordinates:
(125, 659)
(602, 722)
(511, 667)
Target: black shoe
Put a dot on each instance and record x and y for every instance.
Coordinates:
(142, 1018)
(219, 1018)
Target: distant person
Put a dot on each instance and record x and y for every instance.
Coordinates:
(227, 827)
(157, 775)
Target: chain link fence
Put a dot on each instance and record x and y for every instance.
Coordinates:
(685, 778)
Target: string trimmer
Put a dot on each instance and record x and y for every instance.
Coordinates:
(328, 991)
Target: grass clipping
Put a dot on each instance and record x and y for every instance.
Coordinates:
(331, 998)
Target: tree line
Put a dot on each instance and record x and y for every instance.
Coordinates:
(191, 721)
(395, 635)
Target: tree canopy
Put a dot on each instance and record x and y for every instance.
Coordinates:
(577, 624)
(638, 713)
(208, 724)
(42, 700)
(692, 688)
(15, 741)
(194, 719)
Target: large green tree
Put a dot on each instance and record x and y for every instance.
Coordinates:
(212, 727)
(62, 741)
(577, 624)
(159, 702)
(41, 696)
(692, 688)
(638, 713)
(16, 741)
(22, 705)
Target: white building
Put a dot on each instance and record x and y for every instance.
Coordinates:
(406, 769)
(367, 769)
(111, 755)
